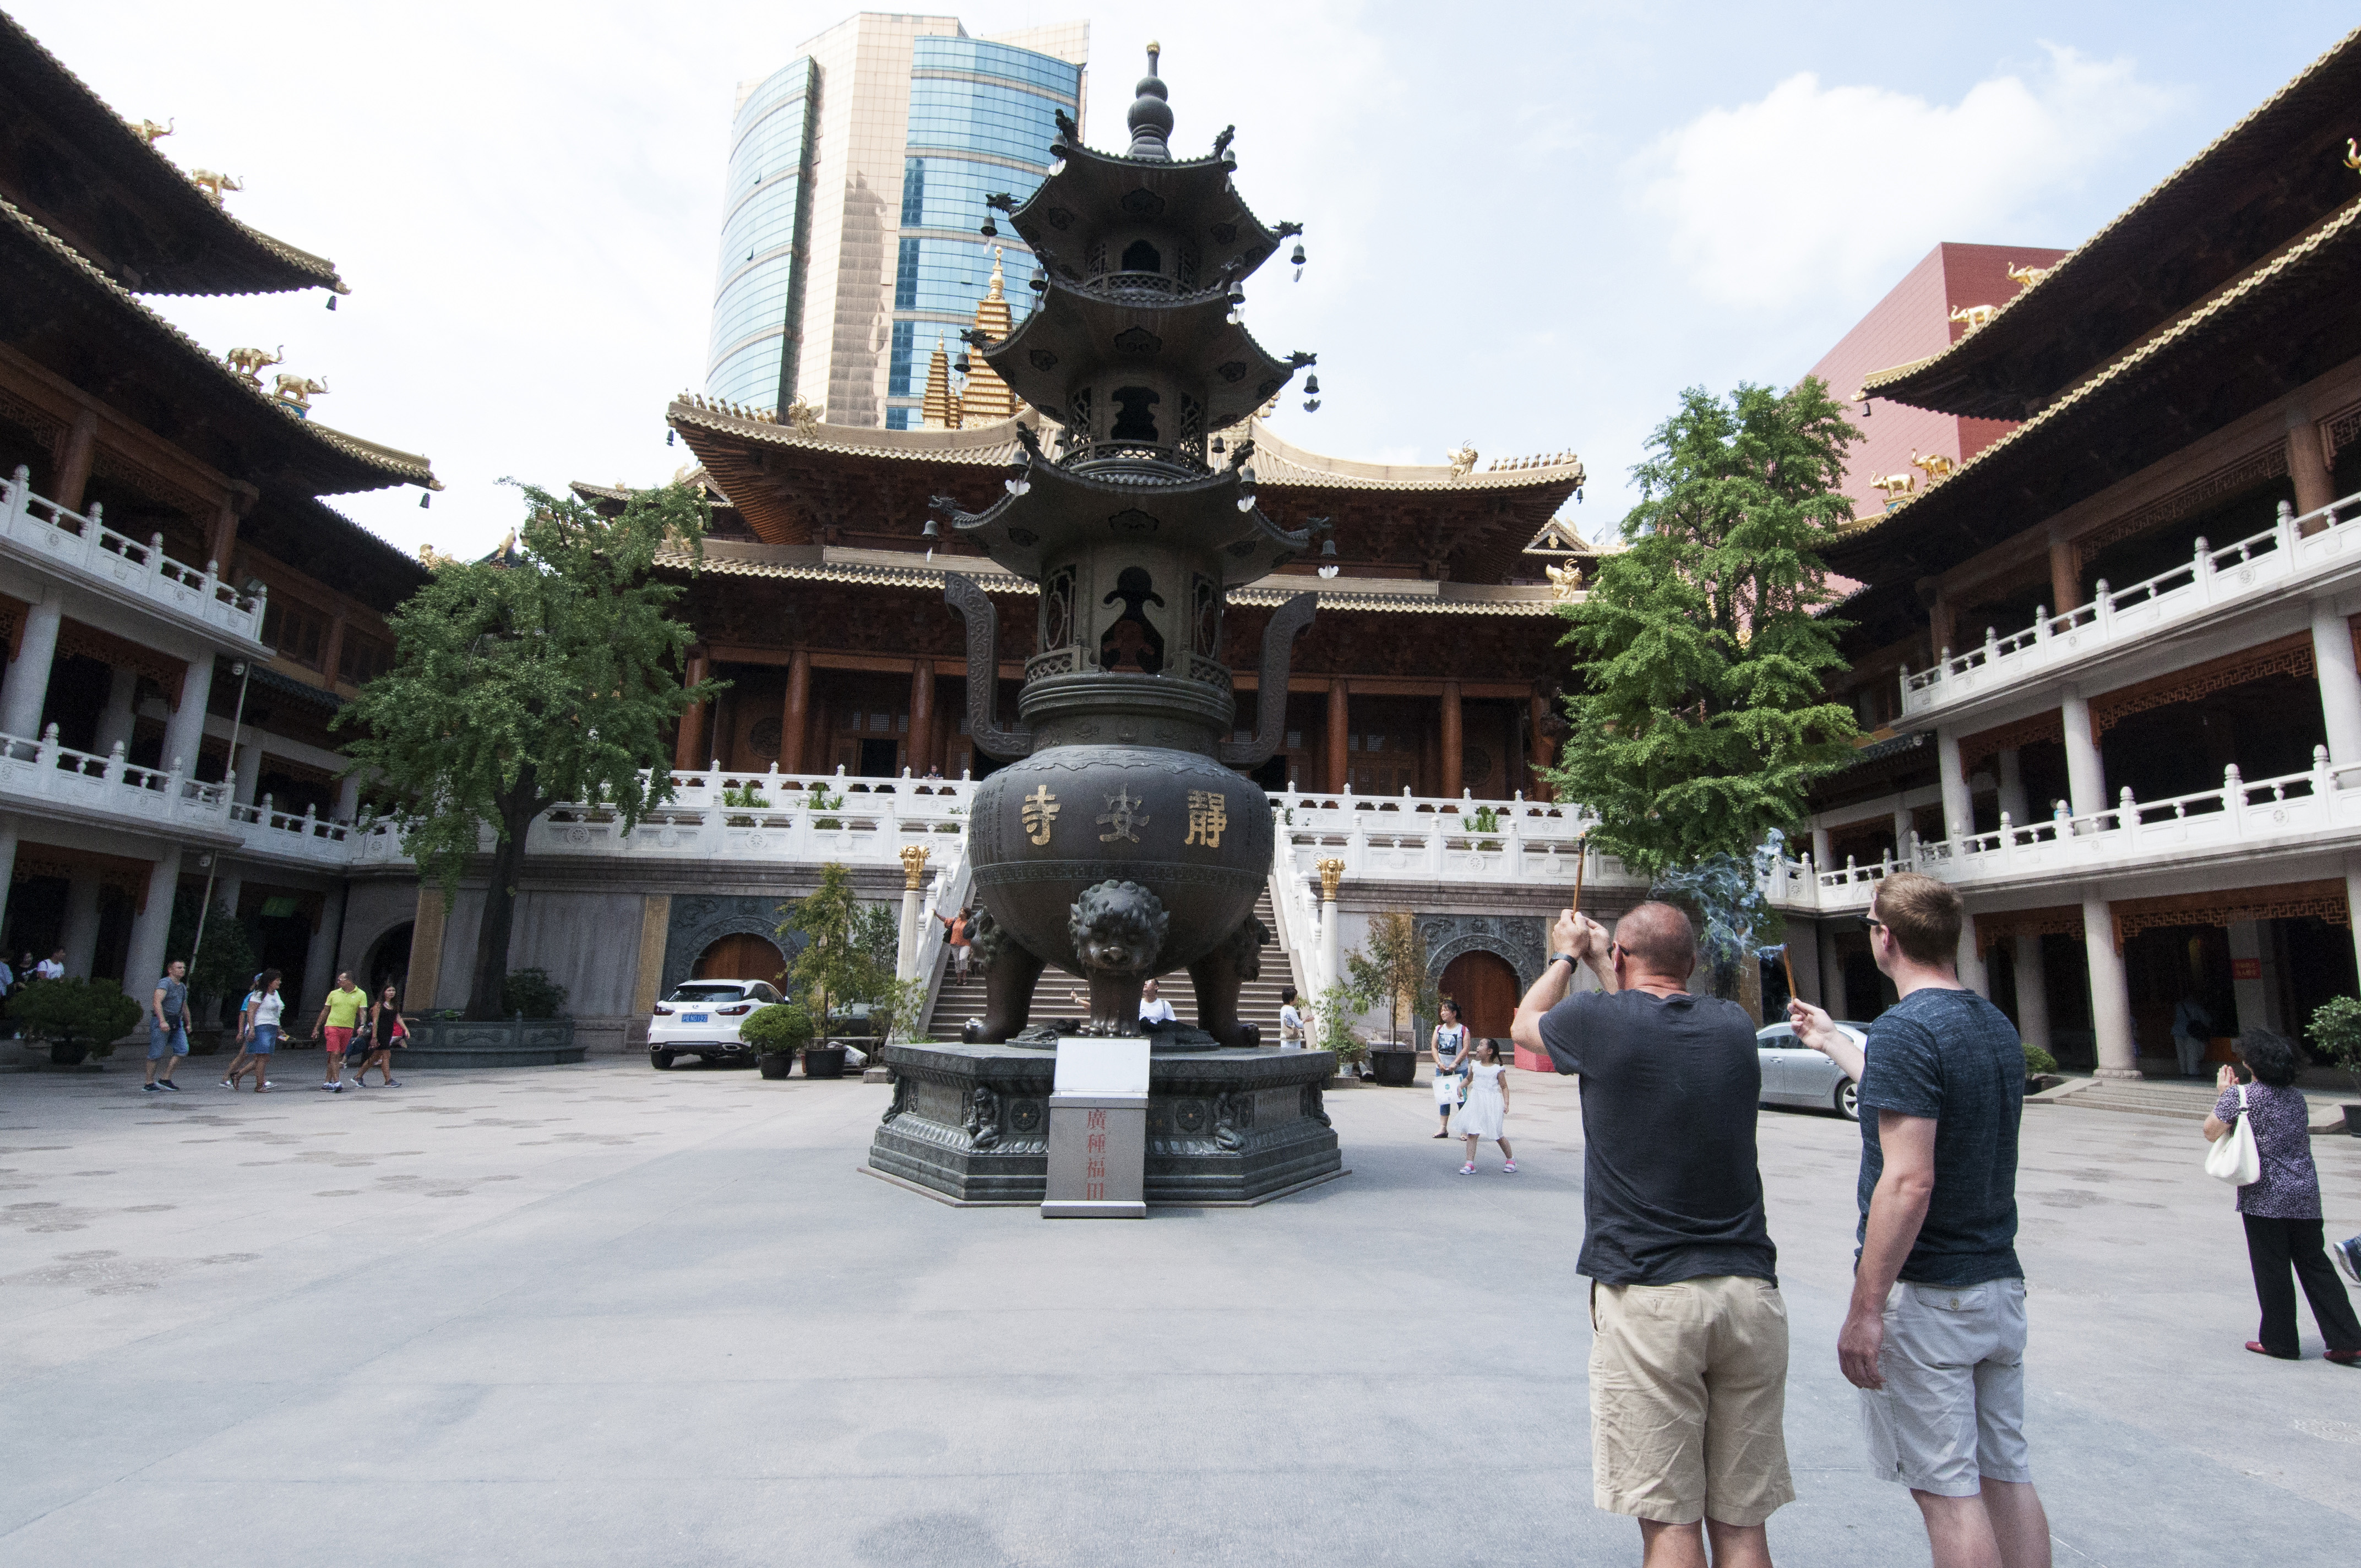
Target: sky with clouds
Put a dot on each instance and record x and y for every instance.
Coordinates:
(1529, 225)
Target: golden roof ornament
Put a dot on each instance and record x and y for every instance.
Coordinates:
(941, 409)
(1894, 485)
(249, 363)
(149, 131)
(1564, 581)
(803, 416)
(2026, 277)
(1332, 872)
(2353, 152)
(297, 392)
(1463, 462)
(913, 865)
(1935, 466)
(1976, 316)
(985, 397)
(215, 185)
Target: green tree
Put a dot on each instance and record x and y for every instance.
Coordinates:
(226, 964)
(515, 687)
(1699, 721)
(1392, 968)
(843, 959)
(76, 1016)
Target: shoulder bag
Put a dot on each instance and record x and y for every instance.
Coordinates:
(2233, 1157)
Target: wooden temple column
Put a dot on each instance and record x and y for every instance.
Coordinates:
(2065, 575)
(2307, 464)
(795, 718)
(688, 747)
(1340, 725)
(1451, 740)
(1545, 750)
(222, 540)
(76, 449)
(922, 716)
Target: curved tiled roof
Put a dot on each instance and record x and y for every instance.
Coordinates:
(383, 464)
(196, 247)
(2194, 207)
(2326, 245)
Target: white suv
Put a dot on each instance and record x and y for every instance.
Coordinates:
(702, 1018)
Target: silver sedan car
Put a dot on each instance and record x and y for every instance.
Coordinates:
(1794, 1074)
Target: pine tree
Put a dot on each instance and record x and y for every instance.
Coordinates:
(1699, 721)
(517, 687)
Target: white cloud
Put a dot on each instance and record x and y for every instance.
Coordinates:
(1812, 191)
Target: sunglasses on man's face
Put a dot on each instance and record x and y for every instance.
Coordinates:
(1874, 923)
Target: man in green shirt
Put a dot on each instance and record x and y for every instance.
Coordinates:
(339, 1016)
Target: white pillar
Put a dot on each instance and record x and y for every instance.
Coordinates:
(2012, 788)
(1832, 974)
(1823, 852)
(7, 874)
(81, 938)
(1803, 956)
(27, 686)
(114, 718)
(320, 957)
(2111, 997)
(2257, 998)
(1959, 806)
(145, 963)
(2086, 774)
(2351, 901)
(1331, 961)
(2340, 686)
(2032, 993)
(348, 798)
(247, 765)
(1972, 961)
(184, 732)
(1903, 826)
(906, 963)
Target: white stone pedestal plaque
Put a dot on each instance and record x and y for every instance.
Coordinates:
(1098, 1130)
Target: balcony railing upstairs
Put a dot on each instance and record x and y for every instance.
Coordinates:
(1427, 838)
(43, 774)
(308, 837)
(81, 546)
(2291, 550)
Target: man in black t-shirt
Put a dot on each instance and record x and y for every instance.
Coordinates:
(1935, 1335)
(1688, 1356)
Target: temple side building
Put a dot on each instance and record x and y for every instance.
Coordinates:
(183, 613)
(2112, 653)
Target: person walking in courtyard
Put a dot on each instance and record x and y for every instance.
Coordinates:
(258, 1031)
(959, 932)
(340, 1015)
(1935, 1335)
(1486, 1110)
(2281, 1208)
(168, 1027)
(385, 1030)
(1291, 1020)
(2192, 1031)
(1450, 1065)
(1688, 1354)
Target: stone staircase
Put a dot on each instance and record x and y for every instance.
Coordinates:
(2182, 1099)
(955, 1003)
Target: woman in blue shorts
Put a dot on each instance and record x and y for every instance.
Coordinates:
(257, 1030)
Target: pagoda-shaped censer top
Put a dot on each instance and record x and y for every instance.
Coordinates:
(1120, 840)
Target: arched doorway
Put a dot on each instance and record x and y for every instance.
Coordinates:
(389, 964)
(1485, 986)
(739, 956)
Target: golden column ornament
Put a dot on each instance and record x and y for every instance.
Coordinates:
(1332, 948)
(913, 865)
(1332, 872)
(913, 870)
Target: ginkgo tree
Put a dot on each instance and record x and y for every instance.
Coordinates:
(550, 674)
(1702, 652)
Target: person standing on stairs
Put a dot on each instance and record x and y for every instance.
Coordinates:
(958, 930)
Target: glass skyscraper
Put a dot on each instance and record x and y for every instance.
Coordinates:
(857, 180)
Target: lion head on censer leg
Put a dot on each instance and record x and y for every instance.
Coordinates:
(1118, 929)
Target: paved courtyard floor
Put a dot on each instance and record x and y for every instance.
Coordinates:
(601, 1315)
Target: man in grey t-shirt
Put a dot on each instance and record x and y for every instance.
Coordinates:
(1935, 1335)
(168, 1027)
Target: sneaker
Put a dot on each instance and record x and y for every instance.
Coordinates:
(2347, 1254)
(228, 1085)
(1442, 1135)
(1510, 1167)
(390, 1083)
(153, 1088)
(1467, 1169)
(169, 1084)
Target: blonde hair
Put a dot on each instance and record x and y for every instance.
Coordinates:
(1924, 915)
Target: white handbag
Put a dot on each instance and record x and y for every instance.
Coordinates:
(2233, 1157)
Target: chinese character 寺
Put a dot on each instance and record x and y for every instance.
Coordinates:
(1040, 810)
(1123, 814)
(1208, 813)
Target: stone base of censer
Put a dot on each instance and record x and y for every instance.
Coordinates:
(972, 1121)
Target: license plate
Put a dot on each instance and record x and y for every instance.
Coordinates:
(695, 1017)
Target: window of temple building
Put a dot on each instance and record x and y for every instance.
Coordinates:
(362, 659)
(297, 632)
(1141, 257)
(1133, 418)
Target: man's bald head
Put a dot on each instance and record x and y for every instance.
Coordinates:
(1660, 939)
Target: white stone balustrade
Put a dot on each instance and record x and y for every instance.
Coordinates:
(84, 550)
(1408, 837)
(2294, 553)
(40, 776)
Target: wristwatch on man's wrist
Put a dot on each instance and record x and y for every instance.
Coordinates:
(1569, 957)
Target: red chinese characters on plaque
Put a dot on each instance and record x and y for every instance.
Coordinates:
(1094, 1173)
(2245, 969)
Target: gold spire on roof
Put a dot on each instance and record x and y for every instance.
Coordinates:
(986, 397)
(941, 409)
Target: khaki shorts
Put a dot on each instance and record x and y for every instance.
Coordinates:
(1951, 1415)
(1688, 1386)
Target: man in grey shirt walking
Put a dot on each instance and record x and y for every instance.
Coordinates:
(168, 1027)
(1935, 1335)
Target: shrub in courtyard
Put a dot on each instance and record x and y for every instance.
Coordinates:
(783, 1027)
(531, 993)
(91, 1014)
(2336, 1030)
(2038, 1061)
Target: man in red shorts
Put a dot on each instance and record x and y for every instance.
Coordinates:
(339, 1016)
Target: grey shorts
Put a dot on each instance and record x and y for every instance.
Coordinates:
(1951, 1414)
(163, 1042)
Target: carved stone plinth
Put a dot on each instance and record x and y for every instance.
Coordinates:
(972, 1121)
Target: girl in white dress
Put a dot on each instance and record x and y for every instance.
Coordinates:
(1487, 1105)
(1450, 1063)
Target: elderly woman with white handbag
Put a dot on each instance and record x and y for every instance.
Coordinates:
(2262, 1145)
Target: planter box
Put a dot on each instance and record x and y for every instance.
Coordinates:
(2353, 1120)
(1396, 1067)
(823, 1062)
(500, 1042)
(775, 1064)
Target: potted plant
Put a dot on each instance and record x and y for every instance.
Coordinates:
(78, 1018)
(1333, 1013)
(2336, 1030)
(2040, 1069)
(777, 1033)
(1393, 969)
(845, 961)
(744, 797)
